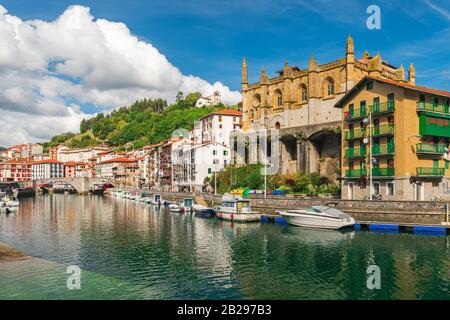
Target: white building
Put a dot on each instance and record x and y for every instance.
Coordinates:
(47, 169)
(217, 127)
(209, 100)
(64, 154)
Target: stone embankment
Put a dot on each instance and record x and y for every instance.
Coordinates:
(405, 212)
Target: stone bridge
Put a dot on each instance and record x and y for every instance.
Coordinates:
(82, 185)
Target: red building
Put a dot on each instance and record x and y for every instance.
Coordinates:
(15, 170)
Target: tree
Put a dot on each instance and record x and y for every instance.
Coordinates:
(179, 96)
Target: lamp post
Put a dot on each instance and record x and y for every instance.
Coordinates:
(368, 121)
(266, 124)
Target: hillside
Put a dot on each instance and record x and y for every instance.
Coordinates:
(146, 121)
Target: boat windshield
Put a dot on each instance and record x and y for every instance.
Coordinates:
(245, 204)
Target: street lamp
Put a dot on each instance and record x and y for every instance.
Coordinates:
(368, 121)
(266, 124)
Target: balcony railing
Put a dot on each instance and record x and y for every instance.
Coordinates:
(355, 134)
(386, 129)
(356, 114)
(385, 107)
(433, 149)
(383, 149)
(432, 107)
(355, 153)
(430, 172)
(383, 172)
(355, 173)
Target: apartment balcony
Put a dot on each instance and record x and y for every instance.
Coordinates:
(383, 108)
(431, 149)
(352, 153)
(383, 172)
(430, 172)
(432, 107)
(355, 134)
(434, 124)
(356, 114)
(358, 173)
(383, 130)
(383, 150)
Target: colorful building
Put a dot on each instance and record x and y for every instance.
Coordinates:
(15, 170)
(299, 102)
(47, 169)
(410, 131)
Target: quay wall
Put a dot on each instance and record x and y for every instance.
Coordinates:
(385, 211)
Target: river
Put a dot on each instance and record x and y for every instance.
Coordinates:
(129, 250)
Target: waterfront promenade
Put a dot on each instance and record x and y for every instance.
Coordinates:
(431, 213)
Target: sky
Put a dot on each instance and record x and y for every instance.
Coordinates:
(62, 61)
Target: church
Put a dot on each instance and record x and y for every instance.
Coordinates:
(300, 104)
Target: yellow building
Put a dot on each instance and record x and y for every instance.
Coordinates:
(300, 103)
(410, 128)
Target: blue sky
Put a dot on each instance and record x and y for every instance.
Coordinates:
(209, 38)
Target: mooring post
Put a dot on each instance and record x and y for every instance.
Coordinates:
(446, 213)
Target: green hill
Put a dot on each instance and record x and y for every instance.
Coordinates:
(146, 121)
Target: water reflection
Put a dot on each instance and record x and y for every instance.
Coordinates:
(155, 254)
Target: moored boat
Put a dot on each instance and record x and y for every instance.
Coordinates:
(203, 211)
(321, 217)
(174, 208)
(236, 208)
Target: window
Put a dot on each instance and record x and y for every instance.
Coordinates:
(220, 126)
(376, 188)
(277, 98)
(390, 189)
(369, 85)
(376, 102)
(329, 87)
(225, 152)
(220, 118)
(215, 161)
(209, 171)
(304, 92)
(214, 152)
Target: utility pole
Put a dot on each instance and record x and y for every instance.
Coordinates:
(370, 154)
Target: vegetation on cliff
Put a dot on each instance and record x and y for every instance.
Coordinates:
(146, 121)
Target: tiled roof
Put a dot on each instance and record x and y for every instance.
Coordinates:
(225, 112)
(119, 159)
(413, 87)
(401, 84)
(46, 161)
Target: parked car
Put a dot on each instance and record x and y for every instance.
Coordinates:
(279, 192)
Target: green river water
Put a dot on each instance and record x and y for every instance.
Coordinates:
(128, 250)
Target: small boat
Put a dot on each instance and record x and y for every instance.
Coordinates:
(236, 208)
(321, 217)
(8, 202)
(203, 211)
(174, 208)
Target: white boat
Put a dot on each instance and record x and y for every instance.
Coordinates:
(174, 207)
(235, 208)
(318, 217)
(8, 202)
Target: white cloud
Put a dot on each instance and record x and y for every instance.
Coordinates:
(76, 58)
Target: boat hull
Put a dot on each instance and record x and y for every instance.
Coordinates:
(320, 222)
(239, 217)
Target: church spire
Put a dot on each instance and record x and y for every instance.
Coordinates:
(350, 45)
(244, 71)
(411, 74)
